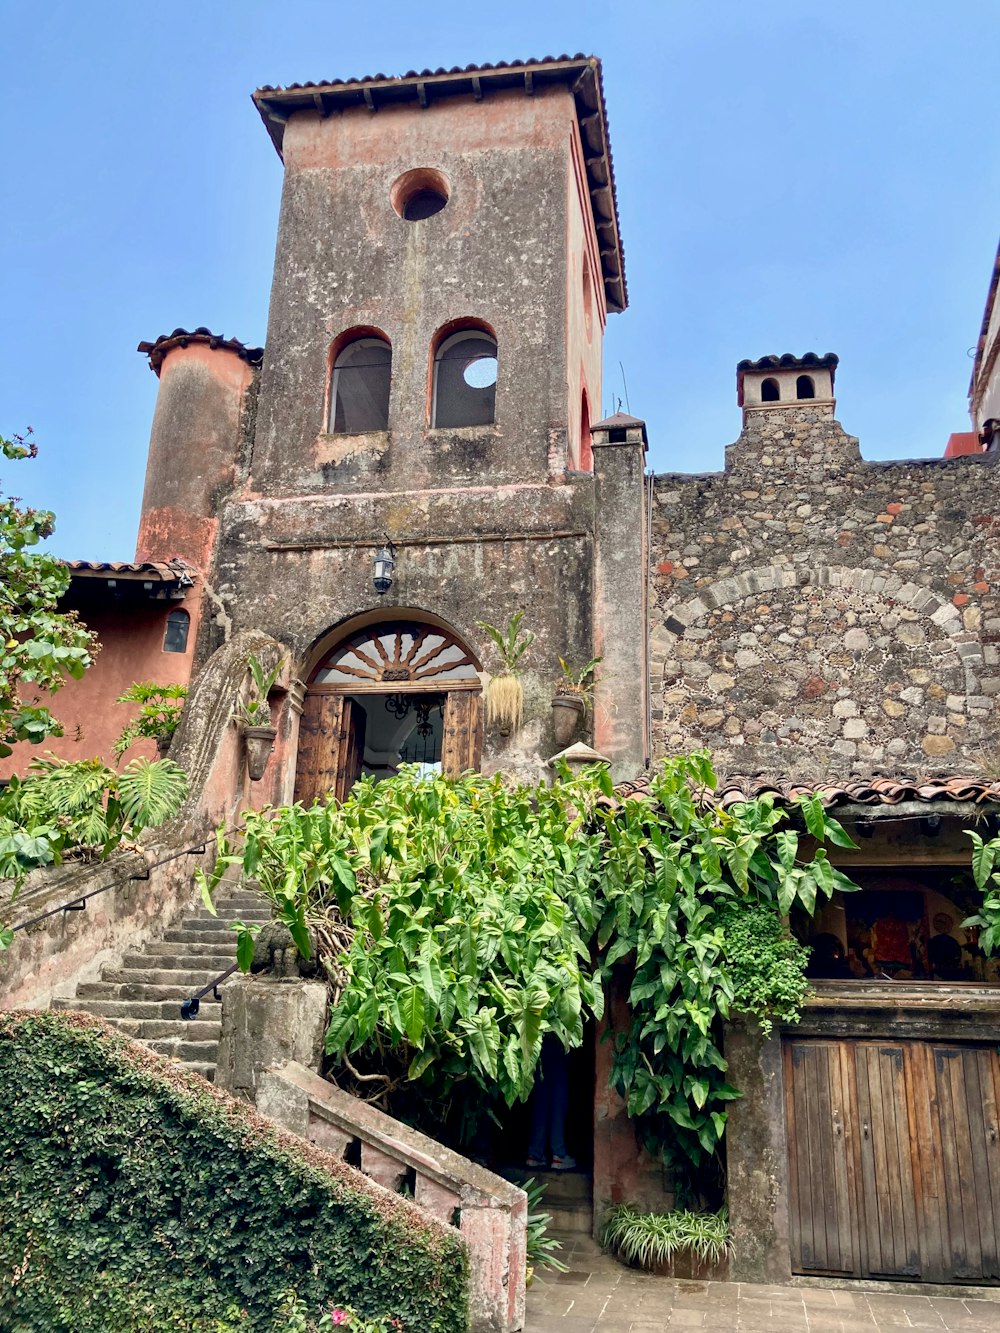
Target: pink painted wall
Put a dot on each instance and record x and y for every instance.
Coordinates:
(131, 640)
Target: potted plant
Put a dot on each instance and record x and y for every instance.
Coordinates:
(505, 693)
(158, 716)
(676, 1244)
(254, 716)
(574, 695)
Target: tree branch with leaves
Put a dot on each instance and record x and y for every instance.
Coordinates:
(40, 646)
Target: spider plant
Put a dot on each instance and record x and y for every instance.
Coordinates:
(650, 1240)
(505, 695)
(541, 1246)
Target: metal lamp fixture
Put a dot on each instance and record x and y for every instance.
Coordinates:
(382, 567)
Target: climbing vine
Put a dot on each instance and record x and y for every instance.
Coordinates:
(459, 921)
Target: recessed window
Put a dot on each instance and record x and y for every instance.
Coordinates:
(769, 391)
(175, 639)
(465, 380)
(359, 394)
(804, 387)
(419, 194)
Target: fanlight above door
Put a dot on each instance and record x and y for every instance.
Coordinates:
(404, 655)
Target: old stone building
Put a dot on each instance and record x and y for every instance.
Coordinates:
(413, 453)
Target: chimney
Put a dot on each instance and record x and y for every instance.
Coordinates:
(776, 383)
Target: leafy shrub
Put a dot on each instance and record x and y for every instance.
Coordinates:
(136, 1197)
(158, 717)
(650, 1240)
(767, 964)
(460, 920)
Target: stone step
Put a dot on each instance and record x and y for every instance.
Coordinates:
(183, 937)
(142, 1009)
(204, 1052)
(571, 1188)
(128, 991)
(566, 1219)
(191, 948)
(215, 923)
(202, 1067)
(151, 975)
(243, 900)
(161, 1029)
(212, 962)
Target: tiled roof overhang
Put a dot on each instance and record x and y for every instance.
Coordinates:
(875, 791)
(158, 349)
(159, 579)
(580, 73)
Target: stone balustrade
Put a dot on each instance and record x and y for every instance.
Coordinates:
(490, 1213)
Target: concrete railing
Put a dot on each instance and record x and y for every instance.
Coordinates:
(490, 1213)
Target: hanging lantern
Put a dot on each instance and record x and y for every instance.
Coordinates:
(382, 567)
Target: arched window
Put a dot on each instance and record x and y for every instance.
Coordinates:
(804, 387)
(586, 452)
(465, 380)
(769, 391)
(359, 393)
(175, 638)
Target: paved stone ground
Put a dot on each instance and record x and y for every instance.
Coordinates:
(599, 1295)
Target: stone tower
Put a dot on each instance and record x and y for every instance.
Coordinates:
(447, 256)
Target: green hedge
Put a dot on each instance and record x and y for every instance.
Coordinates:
(134, 1196)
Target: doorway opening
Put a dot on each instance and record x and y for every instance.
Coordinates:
(399, 692)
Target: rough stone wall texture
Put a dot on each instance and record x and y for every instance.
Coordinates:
(814, 614)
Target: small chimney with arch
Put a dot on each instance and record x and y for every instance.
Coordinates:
(781, 382)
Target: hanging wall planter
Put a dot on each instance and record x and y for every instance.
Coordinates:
(567, 711)
(259, 742)
(254, 717)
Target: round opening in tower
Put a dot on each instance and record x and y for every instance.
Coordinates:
(419, 194)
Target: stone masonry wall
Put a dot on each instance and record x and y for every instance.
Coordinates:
(815, 614)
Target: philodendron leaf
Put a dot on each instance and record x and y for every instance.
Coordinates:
(244, 950)
(6, 937)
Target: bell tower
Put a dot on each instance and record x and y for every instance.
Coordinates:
(447, 255)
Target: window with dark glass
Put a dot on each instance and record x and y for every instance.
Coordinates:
(465, 380)
(359, 397)
(175, 640)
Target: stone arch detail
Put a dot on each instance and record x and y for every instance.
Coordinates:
(790, 668)
(751, 583)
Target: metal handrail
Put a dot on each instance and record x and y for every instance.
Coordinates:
(190, 1006)
(79, 904)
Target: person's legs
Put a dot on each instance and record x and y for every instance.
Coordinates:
(540, 1112)
(557, 1077)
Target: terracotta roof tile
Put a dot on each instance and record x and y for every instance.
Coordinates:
(158, 349)
(171, 571)
(829, 360)
(853, 791)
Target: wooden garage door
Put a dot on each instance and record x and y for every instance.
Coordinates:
(894, 1163)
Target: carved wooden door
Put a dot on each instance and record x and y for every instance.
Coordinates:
(331, 747)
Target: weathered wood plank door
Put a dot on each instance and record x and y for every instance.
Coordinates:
(888, 1212)
(894, 1159)
(823, 1219)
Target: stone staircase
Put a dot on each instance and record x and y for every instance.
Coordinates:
(142, 996)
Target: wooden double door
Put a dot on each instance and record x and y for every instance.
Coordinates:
(894, 1161)
(332, 740)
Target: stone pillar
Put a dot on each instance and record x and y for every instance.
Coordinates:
(620, 582)
(757, 1157)
(265, 1023)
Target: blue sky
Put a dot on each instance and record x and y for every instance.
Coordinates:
(790, 178)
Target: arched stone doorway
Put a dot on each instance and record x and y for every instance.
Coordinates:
(390, 692)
